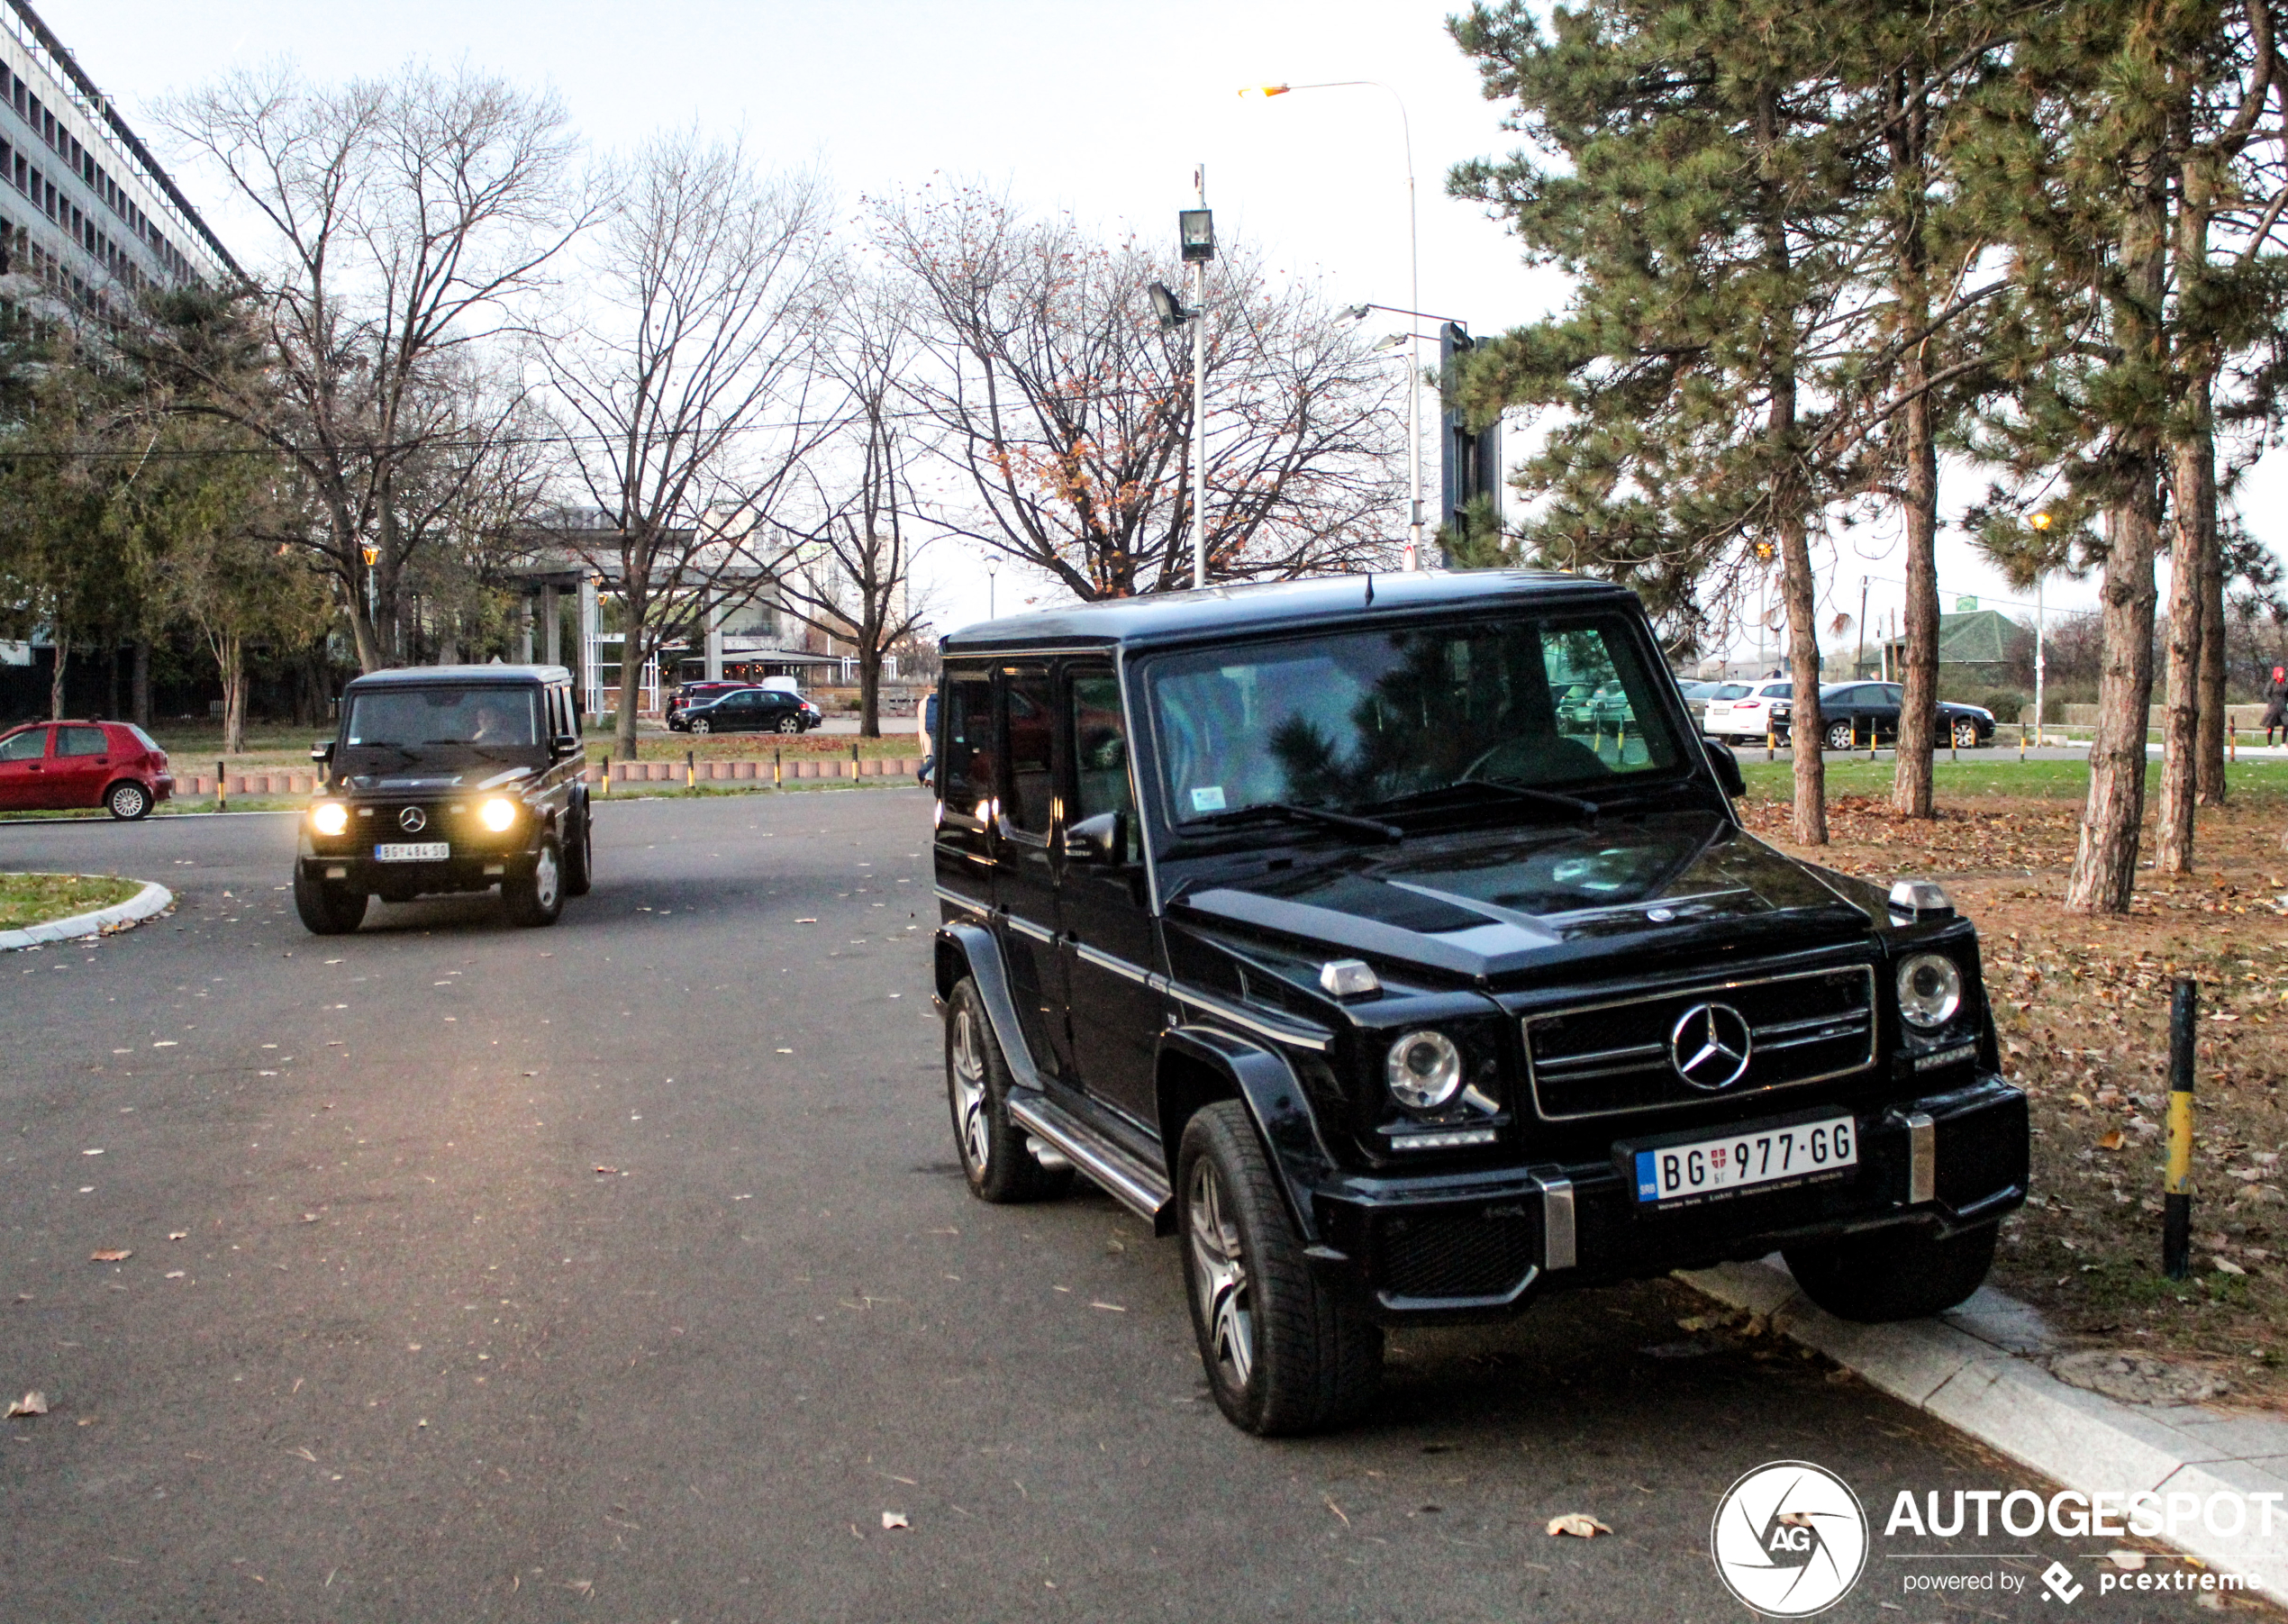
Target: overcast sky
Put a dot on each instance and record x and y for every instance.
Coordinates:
(1103, 109)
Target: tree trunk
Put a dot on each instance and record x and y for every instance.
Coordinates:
(1797, 588)
(139, 684)
(2191, 475)
(1918, 712)
(2208, 778)
(869, 658)
(631, 686)
(2104, 872)
(55, 677)
(231, 652)
(111, 673)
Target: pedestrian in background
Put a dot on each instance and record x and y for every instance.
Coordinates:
(2276, 704)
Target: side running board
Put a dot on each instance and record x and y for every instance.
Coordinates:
(1134, 1182)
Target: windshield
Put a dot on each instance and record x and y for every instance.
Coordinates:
(410, 718)
(1349, 721)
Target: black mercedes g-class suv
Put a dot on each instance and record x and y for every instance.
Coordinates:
(448, 778)
(1305, 921)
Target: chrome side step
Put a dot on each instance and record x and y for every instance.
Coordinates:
(1136, 1185)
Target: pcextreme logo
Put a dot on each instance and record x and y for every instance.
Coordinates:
(1790, 1539)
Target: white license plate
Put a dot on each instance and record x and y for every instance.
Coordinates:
(412, 851)
(1792, 1153)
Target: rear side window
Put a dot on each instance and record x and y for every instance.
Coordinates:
(143, 739)
(965, 755)
(1032, 727)
(81, 742)
(30, 745)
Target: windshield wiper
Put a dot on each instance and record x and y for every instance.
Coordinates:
(1291, 813)
(1515, 791)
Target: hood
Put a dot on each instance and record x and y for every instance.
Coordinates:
(1497, 902)
(433, 779)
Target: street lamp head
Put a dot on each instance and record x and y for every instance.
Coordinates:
(1168, 306)
(1354, 312)
(993, 563)
(1195, 229)
(1396, 340)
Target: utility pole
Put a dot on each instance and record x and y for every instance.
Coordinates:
(1859, 659)
(1199, 390)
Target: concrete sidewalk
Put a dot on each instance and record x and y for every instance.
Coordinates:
(1983, 1369)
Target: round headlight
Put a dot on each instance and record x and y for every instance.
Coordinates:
(1930, 990)
(329, 817)
(1424, 1070)
(497, 813)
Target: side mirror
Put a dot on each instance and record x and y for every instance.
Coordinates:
(1727, 766)
(1101, 842)
(322, 750)
(564, 745)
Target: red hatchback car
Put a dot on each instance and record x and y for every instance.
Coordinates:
(54, 765)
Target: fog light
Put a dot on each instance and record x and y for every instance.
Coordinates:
(329, 817)
(1424, 1070)
(497, 813)
(1930, 990)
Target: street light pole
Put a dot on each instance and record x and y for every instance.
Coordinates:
(2040, 522)
(1199, 404)
(1414, 296)
(992, 568)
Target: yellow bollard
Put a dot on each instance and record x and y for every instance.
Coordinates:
(221, 789)
(2176, 1190)
(2022, 741)
(2232, 742)
(1771, 743)
(777, 772)
(690, 771)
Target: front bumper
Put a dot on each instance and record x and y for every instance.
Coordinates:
(1484, 1244)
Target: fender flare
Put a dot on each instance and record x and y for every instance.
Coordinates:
(969, 950)
(1262, 1079)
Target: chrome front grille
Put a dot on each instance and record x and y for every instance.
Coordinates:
(1608, 1060)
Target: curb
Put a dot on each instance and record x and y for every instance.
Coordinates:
(151, 899)
(1969, 1368)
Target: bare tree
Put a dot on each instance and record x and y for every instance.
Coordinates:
(410, 216)
(1067, 410)
(687, 379)
(851, 574)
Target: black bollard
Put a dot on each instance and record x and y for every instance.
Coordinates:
(2176, 1190)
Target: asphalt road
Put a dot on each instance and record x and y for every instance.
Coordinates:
(623, 1270)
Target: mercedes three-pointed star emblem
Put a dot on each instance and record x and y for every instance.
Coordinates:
(1710, 1045)
(413, 820)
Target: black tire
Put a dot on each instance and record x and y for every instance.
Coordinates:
(1842, 736)
(128, 800)
(700, 724)
(326, 908)
(1966, 733)
(579, 856)
(994, 1157)
(790, 724)
(536, 898)
(1283, 1355)
(1895, 1274)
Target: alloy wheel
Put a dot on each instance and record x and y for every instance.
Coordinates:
(1220, 1275)
(969, 1093)
(546, 879)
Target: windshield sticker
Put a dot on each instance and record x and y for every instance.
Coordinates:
(1209, 799)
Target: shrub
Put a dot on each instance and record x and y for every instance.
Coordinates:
(2007, 704)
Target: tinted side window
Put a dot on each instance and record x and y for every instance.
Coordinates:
(30, 745)
(1032, 717)
(965, 752)
(1100, 747)
(81, 742)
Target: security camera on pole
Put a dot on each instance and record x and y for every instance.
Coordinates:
(1196, 232)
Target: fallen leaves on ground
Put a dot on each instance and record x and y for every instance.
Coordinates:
(1579, 1524)
(31, 1404)
(895, 1519)
(111, 1253)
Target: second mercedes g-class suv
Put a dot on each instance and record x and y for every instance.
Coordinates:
(1312, 924)
(448, 778)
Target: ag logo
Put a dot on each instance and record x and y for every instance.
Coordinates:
(1789, 1539)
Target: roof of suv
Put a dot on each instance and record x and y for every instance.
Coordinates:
(1175, 616)
(409, 675)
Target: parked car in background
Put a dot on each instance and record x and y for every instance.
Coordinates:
(693, 693)
(58, 766)
(1699, 696)
(1761, 707)
(1854, 715)
(749, 709)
